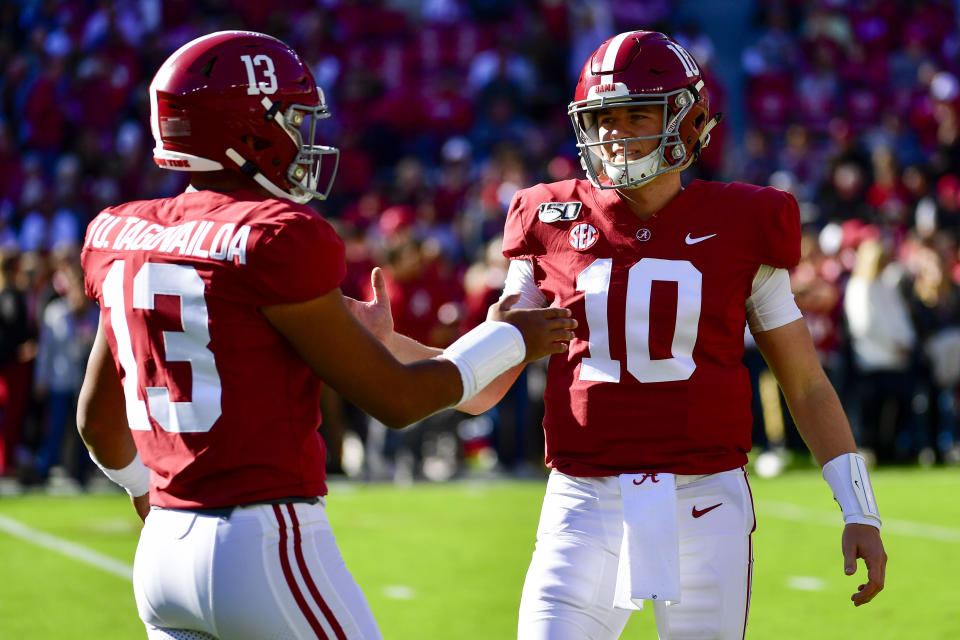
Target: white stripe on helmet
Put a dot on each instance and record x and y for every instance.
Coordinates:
(610, 57)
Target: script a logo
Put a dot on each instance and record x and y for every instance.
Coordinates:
(583, 236)
(647, 476)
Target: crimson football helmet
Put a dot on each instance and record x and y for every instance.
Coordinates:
(241, 100)
(641, 68)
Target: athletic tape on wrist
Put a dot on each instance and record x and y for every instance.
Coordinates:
(485, 352)
(134, 478)
(848, 478)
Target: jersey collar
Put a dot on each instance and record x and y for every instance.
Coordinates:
(611, 205)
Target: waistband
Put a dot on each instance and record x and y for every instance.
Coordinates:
(226, 512)
(684, 480)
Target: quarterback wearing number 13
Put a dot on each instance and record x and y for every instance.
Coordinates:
(647, 417)
(220, 314)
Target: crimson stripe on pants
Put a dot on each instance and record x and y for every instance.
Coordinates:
(308, 579)
(288, 574)
(746, 614)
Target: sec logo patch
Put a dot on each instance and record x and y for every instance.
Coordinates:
(583, 236)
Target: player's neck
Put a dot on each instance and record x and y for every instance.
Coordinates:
(225, 181)
(651, 197)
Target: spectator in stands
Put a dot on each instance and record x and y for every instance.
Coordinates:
(887, 196)
(883, 340)
(935, 311)
(17, 349)
(67, 329)
(948, 203)
(842, 194)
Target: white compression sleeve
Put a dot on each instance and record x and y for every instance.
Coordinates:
(771, 303)
(520, 280)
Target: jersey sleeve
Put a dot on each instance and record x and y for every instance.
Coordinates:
(517, 241)
(90, 286)
(299, 257)
(777, 240)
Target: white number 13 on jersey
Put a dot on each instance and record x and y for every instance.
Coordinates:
(188, 345)
(594, 281)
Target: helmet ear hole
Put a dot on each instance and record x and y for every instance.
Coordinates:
(256, 142)
(698, 122)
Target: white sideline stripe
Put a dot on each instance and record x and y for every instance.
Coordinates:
(787, 511)
(67, 548)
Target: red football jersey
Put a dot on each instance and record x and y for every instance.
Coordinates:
(653, 379)
(222, 408)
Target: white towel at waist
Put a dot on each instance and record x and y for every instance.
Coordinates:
(649, 567)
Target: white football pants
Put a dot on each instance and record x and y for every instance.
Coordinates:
(266, 572)
(569, 590)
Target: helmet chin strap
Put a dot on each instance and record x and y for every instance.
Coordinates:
(645, 166)
(250, 170)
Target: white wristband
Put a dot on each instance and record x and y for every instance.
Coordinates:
(485, 352)
(135, 477)
(847, 476)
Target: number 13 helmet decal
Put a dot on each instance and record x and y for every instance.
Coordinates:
(242, 101)
(641, 68)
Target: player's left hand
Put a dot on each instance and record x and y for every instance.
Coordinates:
(863, 541)
(374, 314)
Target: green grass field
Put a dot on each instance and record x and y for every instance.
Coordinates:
(446, 562)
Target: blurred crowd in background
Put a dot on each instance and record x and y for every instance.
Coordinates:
(442, 109)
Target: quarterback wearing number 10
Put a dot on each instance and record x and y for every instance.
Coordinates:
(647, 417)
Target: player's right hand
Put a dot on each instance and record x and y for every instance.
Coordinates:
(545, 331)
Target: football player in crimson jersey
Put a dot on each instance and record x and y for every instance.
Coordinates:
(220, 314)
(647, 419)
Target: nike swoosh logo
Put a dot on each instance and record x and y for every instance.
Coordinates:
(699, 512)
(691, 240)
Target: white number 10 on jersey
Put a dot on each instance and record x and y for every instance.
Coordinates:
(594, 281)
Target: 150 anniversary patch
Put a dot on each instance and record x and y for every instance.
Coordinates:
(559, 211)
